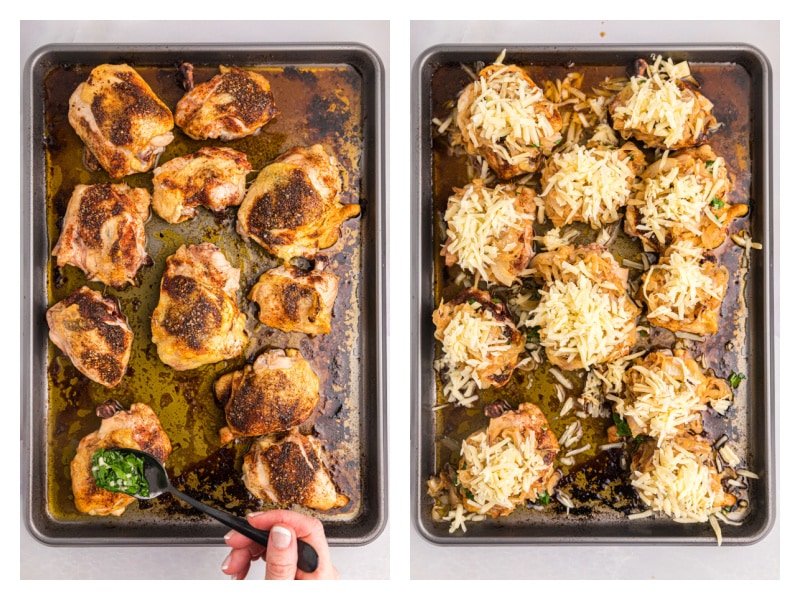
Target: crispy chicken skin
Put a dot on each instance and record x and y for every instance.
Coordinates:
(231, 105)
(507, 153)
(138, 428)
(279, 391)
(103, 232)
(498, 365)
(211, 177)
(699, 178)
(197, 320)
(291, 299)
(290, 471)
(292, 208)
(90, 329)
(123, 124)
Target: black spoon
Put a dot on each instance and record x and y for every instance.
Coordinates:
(159, 483)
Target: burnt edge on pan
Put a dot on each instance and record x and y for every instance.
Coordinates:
(369, 391)
(760, 339)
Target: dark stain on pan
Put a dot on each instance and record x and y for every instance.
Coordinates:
(184, 400)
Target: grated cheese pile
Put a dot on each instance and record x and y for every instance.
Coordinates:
(592, 184)
(484, 225)
(503, 115)
(671, 199)
(500, 474)
(684, 287)
(472, 341)
(657, 105)
(662, 400)
(678, 485)
(582, 319)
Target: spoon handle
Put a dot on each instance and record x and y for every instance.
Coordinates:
(307, 558)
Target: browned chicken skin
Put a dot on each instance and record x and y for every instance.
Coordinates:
(291, 299)
(290, 471)
(90, 329)
(138, 428)
(211, 177)
(197, 320)
(279, 391)
(123, 123)
(103, 232)
(234, 104)
(292, 208)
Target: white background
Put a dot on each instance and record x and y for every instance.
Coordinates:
(411, 556)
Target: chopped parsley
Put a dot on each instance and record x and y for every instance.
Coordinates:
(735, 379)
(534, 146)
(543, 499)
(710, 165)
(623, 429)
(717, 203)
(470, 495)
(533, 334)
(117, 471)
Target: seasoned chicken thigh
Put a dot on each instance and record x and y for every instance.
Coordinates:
(292, 208)
(103, 232)
(211, 177)
(291, 471)
(90, 329)
(279, 391)
(234, 104)
(197, 320)
(124, 125)
(291, 299)
(138, 428)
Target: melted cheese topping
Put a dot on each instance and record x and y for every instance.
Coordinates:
(471, 341)
(656, 105)
(662, 400)
(592, 184)
(503, 116)
(581, 319)
(501, 474)
(478, 220)
(684, 287)
(671, 200)
(678, 485)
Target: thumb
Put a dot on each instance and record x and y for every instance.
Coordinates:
(281, 555)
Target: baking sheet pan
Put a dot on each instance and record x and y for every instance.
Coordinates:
(329, 94)
(737, 79)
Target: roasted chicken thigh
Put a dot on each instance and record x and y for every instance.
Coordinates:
(291, 299)
(290, 471)
(197, 320)
(211, 177)
(279, 391)
(90, 329)
(124, 125)
(138, 428)
(292, 208)
(234, 104)
(103, 232)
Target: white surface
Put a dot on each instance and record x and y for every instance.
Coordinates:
(759, 561)
(38, 561)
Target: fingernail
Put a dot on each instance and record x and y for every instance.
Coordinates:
(229, 535)
(226, 563)
(255, 514)
(281, 537)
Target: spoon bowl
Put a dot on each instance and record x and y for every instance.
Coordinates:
(158, 480)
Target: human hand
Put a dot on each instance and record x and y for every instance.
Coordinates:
(285, 527)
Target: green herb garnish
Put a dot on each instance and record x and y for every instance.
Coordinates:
(119, 472)
(533, 334)
(717, 203)
(710, 165)
(735, 379)
(534, 146)
(543, 499)
(558, 142)
(623, 429)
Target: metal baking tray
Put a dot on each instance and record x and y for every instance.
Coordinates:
(329, 94)
(737, 79)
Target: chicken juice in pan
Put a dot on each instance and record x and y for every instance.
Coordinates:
(317, 105)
